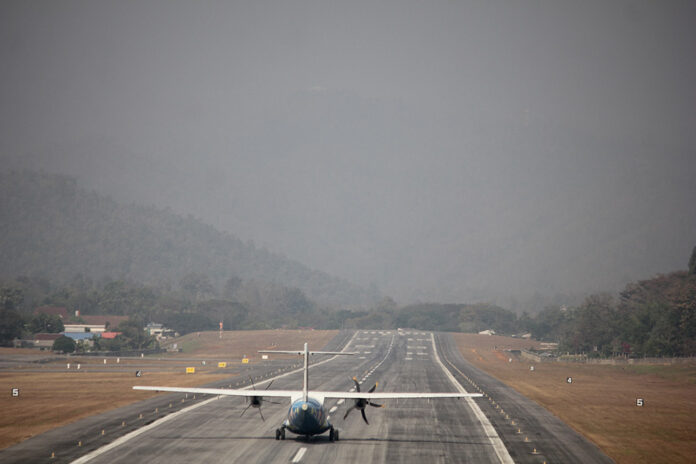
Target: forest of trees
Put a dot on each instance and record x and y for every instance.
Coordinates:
(654, 317)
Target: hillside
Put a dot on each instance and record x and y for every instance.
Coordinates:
(53, 228)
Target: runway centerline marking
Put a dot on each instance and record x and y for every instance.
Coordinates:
(298, 456)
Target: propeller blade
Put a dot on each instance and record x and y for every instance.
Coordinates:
(245, 410)
(357, 385)
(364, 416)
(269, 384)
(375, 405)
(373, 387)
(348, 412)
(252, 383)
(262, 418)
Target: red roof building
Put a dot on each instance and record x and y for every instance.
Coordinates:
(110, 335)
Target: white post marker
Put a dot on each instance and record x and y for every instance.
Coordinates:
(68, 365)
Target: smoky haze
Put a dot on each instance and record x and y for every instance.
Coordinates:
(448, 151)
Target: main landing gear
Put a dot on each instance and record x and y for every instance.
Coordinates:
(333, 434)
(280, 433)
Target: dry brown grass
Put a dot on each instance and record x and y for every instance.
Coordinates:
(600, 403)
(51, 399)
(239, 343)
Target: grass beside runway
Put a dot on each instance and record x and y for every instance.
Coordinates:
(600, 400)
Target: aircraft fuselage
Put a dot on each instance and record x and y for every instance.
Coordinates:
(307, 418)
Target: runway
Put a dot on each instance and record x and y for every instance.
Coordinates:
(444, 430)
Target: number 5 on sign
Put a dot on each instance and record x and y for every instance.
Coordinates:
(639, 401)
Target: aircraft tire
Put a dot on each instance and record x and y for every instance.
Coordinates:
(336, 435)
(277, 434)
(332, 434)
(282, 434)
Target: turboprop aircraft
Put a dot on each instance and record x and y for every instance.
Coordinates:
(306, 415)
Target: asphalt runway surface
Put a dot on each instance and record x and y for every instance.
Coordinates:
(502, 426)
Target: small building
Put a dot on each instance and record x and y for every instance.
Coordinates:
(94, 324)
(110, 335)
(85, 337)
(45, 340)
(159, 331)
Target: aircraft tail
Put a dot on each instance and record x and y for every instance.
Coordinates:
(306, 353)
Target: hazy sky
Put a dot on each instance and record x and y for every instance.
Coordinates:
(450, 151)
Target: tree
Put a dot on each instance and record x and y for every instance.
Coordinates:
(197, 286)
(231, 286)
(11, 298)
(135, 336)
(46, 323)
(692, 262)
(64, 344)
(11, 324)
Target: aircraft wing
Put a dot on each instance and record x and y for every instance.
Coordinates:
(225, 391)
(315, 394)
(388, 395)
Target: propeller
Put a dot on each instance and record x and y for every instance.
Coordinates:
(361, 403)
(256, 401)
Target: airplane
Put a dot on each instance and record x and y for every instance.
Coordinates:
(306, 415)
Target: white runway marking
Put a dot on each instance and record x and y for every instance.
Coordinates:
(498, 446)
(298, 456)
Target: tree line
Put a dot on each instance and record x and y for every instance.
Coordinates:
(654, 317)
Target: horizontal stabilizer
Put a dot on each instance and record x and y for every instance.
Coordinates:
(299, 352)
